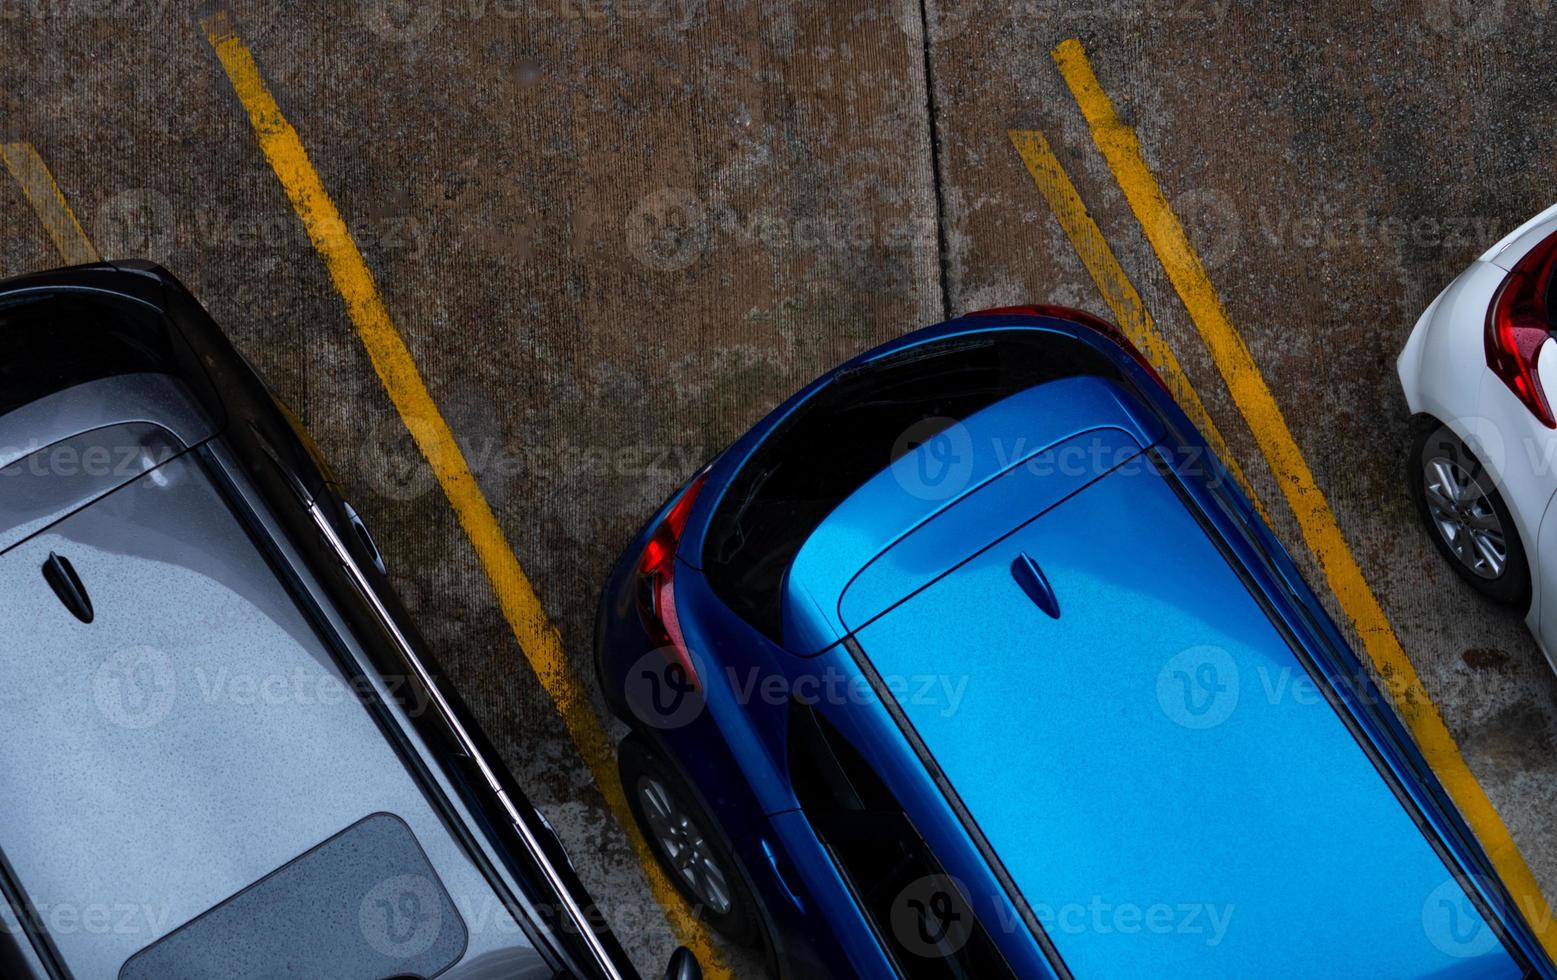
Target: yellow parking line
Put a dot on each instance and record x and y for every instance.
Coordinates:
(1122, 150)
(538, 638)
(1117, 289)
(48, 201)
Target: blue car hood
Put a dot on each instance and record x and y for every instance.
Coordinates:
(1144, 750)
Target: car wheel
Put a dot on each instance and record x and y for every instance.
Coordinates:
(684, 842)
(1470, 524)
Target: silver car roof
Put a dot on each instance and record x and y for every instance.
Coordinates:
(193, 738)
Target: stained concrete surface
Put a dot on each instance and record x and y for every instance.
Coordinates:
(614, 234)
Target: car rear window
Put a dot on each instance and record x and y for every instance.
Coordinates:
(52, 341)
(854, 428)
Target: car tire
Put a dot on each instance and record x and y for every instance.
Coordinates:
(1466, 516)
(652, 784)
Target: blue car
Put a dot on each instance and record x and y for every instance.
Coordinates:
(970, 661)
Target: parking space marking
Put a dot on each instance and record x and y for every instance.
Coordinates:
(49, 203)
(1118, 291)
(1121, 148)
(538, 638)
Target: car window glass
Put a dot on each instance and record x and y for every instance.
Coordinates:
(52, 341)
(851, 430)
(920, 915)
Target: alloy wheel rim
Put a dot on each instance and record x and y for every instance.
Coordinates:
(1467, 522)
(684, 846)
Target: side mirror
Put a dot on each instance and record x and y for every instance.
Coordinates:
(683, 966)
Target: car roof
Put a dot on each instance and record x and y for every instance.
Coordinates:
(1144, 735)
(1076, 607)
(193, 737)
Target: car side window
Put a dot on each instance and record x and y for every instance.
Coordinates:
(919, 914)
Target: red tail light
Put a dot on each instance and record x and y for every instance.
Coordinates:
(1517, 326)
(656, 581)
(1085, 319)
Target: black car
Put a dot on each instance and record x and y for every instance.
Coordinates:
(224, 751)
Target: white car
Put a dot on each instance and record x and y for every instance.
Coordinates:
(1480, 376)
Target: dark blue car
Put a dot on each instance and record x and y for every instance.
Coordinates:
(969, 661)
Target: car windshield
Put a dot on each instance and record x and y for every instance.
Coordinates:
(52, 341)
(854, 428)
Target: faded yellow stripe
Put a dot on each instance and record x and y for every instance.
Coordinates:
(1121, 148)
(538, 638)
(1118, 291)
(48, 201)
